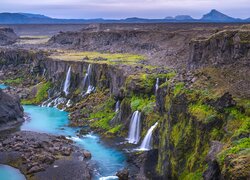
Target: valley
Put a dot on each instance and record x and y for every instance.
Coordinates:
(133, 101)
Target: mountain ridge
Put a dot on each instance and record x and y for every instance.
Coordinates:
(29, 18)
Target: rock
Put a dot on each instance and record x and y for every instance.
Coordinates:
(212, 172)
(35, 169)
(7, 36)
(87, 154)
(11, 112)
(223, 102)
(123, 174)
(215, 148)
(66, 151)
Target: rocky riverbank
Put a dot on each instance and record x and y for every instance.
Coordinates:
(43, 156)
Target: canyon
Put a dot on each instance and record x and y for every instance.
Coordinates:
(174, 98)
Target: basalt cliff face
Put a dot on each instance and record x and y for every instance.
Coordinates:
(11, 112)
(202, 110)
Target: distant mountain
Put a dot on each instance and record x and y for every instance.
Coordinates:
(216, 16)
(183, 17)
(35, 15)
(28, 18)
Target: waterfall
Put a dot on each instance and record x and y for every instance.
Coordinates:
(146, 143)
(44, 71)
(67, 82)
(87, 80)
(134, 128)
(117, 106)
(156, 85)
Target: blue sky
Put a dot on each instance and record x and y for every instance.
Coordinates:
(126, 8)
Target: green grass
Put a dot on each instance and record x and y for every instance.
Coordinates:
(16, 81)
(202, 112)
(110, 58)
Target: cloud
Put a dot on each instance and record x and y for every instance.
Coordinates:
(126, 8)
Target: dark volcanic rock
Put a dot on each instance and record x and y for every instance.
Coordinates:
(11, 111)
(123, 174)
(212, 172)
(44, 156)
(7, 36)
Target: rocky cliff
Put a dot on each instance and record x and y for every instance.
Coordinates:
(11, 112)
(7, 36)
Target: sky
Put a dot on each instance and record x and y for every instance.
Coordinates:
(116, 9)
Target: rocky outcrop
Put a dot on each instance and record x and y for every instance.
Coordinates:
(42, 156)
(163, 46)
(11, 112)
(7, 36)
(223, 48)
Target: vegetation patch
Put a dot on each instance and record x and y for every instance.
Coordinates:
(98, 57)
(237, 147)
(102, 115)
(13, 82)
(143, 104)
(41, 95)
(202, 112)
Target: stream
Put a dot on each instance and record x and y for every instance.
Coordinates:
(107, 160)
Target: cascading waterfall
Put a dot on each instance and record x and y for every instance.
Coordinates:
(67, 82)
(117, 106)
(87, 80)
(134, 128)
(146, 143)
(156, 85)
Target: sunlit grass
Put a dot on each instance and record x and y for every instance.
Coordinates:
(33, 39)
(98, 57)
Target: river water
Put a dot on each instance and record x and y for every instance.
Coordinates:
(53, 121)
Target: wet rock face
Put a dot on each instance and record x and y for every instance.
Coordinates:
(7, 36)
(36, 154)
(11, 112)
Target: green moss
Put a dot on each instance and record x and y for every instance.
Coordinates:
(103, 114)
(237, 147)
(202, 112)
(16, 81)
(238, 123)
(115, 129)
(41, 95)
(178, 88)
(143, 104)
(216, 134)
(197, 175)
(77, 91)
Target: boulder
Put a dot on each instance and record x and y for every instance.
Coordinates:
(123, 174)
(87, 154)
